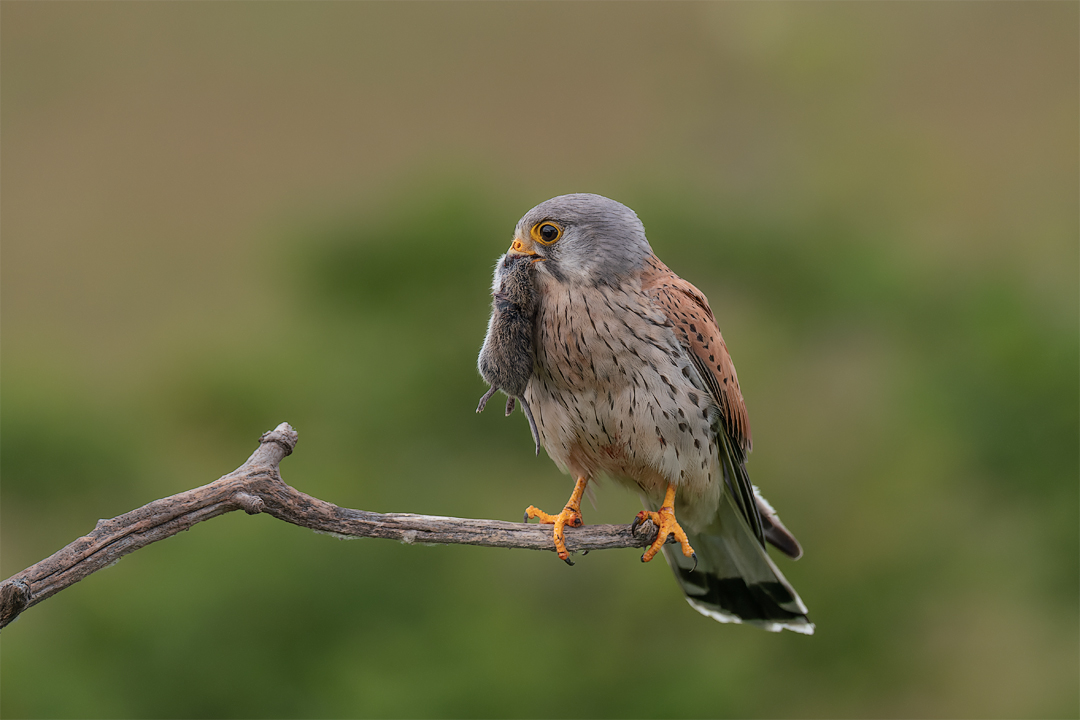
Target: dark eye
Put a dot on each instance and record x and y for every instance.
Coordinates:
(549, 233)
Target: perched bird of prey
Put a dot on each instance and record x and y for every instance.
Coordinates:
(631, 379)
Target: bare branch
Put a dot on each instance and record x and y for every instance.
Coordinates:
(256, 487)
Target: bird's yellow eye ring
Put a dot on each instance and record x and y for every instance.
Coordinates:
(546, 232)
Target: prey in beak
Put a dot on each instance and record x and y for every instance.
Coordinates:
(506, 360)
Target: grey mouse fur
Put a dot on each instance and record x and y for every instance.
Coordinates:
(506, 359)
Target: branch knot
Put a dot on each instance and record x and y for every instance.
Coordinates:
(251, 504)
(14, 598)
(283, 435)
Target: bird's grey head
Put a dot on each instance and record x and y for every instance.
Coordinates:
(582, 239)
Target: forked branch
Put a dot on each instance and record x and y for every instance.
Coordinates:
(255, 487)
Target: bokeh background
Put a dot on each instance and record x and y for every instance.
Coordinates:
(218, 217)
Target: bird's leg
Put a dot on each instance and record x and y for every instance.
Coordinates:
(666, 525)
(570, 515)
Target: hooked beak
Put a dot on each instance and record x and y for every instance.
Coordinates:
(523, 247)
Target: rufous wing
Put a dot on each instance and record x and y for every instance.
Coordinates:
(688, 311)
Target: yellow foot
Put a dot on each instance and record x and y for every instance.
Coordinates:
(570, 515)
(666, 525)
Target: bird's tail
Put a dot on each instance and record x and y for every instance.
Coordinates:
(735, 580)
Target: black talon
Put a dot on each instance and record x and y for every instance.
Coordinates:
(694, 557)
(642, 557)
(568, 561)
(584, 552)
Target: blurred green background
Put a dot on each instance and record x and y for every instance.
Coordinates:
(219, 217)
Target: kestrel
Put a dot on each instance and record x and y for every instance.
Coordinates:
(630, 378)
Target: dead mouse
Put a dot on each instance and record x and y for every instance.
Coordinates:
(506, 359)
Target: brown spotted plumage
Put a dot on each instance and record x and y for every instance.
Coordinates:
(631, 379)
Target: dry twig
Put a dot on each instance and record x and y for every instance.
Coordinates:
(256, 486)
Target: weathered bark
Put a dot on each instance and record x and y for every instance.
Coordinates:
(257, 487)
